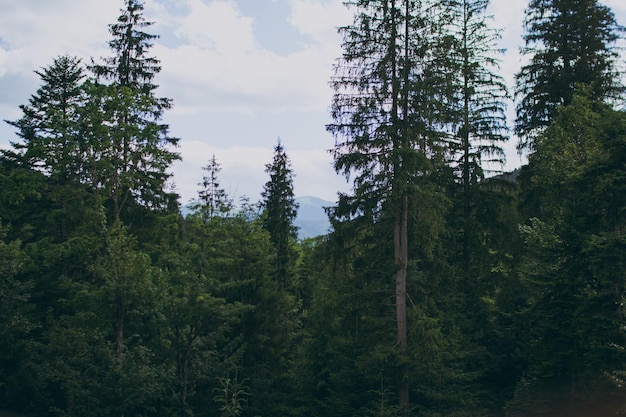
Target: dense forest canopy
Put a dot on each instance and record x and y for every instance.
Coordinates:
(440, 289)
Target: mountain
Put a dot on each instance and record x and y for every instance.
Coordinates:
(312, 220)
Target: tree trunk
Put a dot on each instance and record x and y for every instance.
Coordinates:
(119, 344)
(465, 137)
(401, 261)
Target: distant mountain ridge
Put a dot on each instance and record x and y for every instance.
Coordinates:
(312, 220)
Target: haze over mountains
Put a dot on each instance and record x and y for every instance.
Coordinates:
(312, 220)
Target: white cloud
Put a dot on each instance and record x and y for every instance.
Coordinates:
(320, 19)
(219, 65)
(617, 6)
(217, 26)
(4, 62)
(315, 175)
(34, 32)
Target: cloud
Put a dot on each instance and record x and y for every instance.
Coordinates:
(315, 175)
(319, 19)
(617, 6)
(208, 52)
(217, 64)
(33, 32)
(217, 25)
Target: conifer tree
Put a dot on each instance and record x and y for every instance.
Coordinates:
(48, 127)
(212, 198)
(280, 307)
(391, 99)
(570, 43)
(140, 147)
(280, 210)
(478, 132)
(573, 318)
(130, 66)
(479, 106)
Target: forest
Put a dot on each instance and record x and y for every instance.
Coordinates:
(444, 288)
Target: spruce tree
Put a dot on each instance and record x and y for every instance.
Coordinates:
(279, 212)
(572, 323)
(140, 147)
(480, 92)
(391, 101)
(130, 66)
(570, 43)
(48, 128)
(212, 198)
(280, 309)
(478, 129)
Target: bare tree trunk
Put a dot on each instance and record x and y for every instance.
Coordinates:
(401, 262)
(119, 342)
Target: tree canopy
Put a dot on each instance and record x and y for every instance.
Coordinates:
(443, 288)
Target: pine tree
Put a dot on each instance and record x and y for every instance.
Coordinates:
(479, 130)
(279, 212)
(391, 99)
(130, 66)
(570, 43)
(212, 198)
(478, 122)
(140, 148)
(49, 125)
(280, 307)
(574, 248)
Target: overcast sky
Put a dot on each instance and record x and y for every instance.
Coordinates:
(242, 73)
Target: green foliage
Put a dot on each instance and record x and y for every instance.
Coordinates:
(138, 147)
(349, 343)
(479, 96)
(570, 43)
(391, 105)
(127, 150)
(440, 291)
(279, 212)
(574, 250)
(48, 127)
(16, 325)
(130, 66)
(232, 394)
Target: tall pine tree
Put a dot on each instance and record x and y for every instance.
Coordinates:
(569, 42)
(390, 101)
(279, 310)
(479, 121)
(279, 212)
(140, 148)
(478, 131)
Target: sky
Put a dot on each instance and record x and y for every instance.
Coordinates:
(243, 74)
